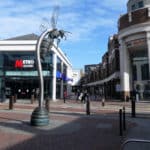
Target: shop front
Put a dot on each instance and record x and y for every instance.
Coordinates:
(18, 69)
(19, 75)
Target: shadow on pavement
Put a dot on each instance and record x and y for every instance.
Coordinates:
(63, 133)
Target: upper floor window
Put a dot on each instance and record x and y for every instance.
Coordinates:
(133, 7)
(140, 4)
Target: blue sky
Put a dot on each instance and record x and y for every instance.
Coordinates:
(91, 22)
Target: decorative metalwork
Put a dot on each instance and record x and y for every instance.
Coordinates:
(52, 35)
(40, 115)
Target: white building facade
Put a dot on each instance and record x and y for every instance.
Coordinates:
(18, 70)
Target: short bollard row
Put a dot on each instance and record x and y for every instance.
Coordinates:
(13, 99)
(122, 121)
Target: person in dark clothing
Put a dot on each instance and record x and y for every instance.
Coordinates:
(65, 96)
(84, 97)
(78, 94)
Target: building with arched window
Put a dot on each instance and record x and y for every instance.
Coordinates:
(18, 70)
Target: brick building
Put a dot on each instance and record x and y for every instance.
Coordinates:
(103, 80)
(125, 67)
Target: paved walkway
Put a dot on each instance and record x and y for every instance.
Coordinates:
(70, 128)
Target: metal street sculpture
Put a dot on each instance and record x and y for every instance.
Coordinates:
(40, 115)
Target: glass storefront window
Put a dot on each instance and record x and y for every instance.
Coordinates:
(20, 72)
(58, 89)
(58, 64)
(145, 71)
(19, 60)
(134, 70)
(23, 63)
(1, 61)
(146, 92)
(47, 63)
(64, 73)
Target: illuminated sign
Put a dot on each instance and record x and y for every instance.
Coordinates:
(18, 64)
(24, 63)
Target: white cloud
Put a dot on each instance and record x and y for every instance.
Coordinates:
(114, 4)
(6, 3)
(84, 28)
(17, 26)
(24, 17)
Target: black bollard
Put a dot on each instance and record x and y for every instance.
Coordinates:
(120, 122)
(47, 104)
(124, 118)
(32, 98)
(133, 107)
(11, 102)
(103, 101)
(88, 107)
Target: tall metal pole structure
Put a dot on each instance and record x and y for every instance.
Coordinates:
(40, 67)
(40, 115)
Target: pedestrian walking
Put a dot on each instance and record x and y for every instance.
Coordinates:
(84, 97)
(78, 94)
(65, 96)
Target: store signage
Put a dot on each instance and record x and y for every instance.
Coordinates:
(19, 63)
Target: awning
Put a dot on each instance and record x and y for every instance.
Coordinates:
(113, 76)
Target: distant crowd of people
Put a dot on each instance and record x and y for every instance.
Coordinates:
(82, 96)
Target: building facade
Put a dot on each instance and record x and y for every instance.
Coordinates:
(125, 67)
(18, 69)
(134, 39)
(104, 79)
(90, 68)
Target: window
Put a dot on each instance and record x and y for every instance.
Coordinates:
(134, 71)
(140, 4)
(1, 61)
(133, 7)
(58, 64)
(10, 59)
(145, 72)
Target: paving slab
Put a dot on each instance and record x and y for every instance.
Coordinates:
(70, 128)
